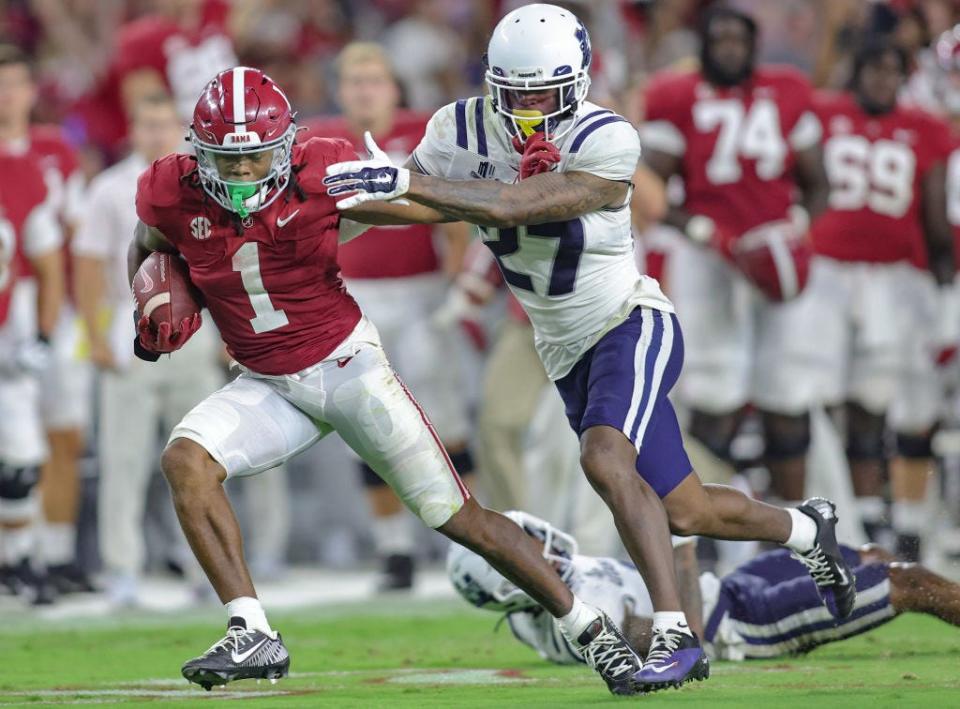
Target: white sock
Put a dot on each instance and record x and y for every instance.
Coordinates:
(393, 534)
(252, 613)
(909, 516)
(18, 544)
(872, 509)
(577, 620)
(670, 620)
(59, 543)
(803, 531)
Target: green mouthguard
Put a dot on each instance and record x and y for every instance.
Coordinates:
(238, 195)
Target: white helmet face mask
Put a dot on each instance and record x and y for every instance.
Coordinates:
(484, 587)
(537, 51)
(245, 197)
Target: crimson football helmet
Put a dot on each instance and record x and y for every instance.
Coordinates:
(242, 112)
(775, 258)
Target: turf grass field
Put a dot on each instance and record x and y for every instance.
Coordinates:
(441, 654)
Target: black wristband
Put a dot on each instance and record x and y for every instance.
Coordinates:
(143, 353)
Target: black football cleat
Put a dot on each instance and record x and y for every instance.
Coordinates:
(70, 578)
(604, 648)
(396, 573)
(33, 586)
(675, 658)
(826, 564)
(240, 654)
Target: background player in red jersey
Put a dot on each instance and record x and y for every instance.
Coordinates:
(253, 222)
(175, 50)
(887, 203)
(29, 233)
(745, 141)
(398, 275)
(65, 384)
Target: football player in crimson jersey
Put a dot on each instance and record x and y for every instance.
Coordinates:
(606, 335)
(65, 384)
(251, 218)
(887, 202)
(398, 275)
(745, 140)
(29, 233)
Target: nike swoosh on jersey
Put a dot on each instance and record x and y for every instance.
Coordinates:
(244, 655)
(660, 670)
(283, 221)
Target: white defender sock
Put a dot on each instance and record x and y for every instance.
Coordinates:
(577, 620)
(59, 543)
(670, 620)
(803, 531)
(252, 613)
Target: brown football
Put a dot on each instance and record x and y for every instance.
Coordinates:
(163, 290)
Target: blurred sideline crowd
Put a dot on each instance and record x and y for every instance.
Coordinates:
(92, 92)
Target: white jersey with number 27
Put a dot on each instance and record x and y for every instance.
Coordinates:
(576, 279)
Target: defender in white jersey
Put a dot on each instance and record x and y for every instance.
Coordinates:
(607, 335)
(767, 607)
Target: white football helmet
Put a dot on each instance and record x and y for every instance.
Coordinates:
(485, 587)
(536, 48)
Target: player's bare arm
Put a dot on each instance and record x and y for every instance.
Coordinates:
(541, 199)
(48, 267)
(812, 179)
(936, 227)
(146, 240)
(664, 165)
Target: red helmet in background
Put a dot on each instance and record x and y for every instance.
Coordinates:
(242, 112)
(775, 258)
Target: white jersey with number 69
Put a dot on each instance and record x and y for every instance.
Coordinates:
(576, 279)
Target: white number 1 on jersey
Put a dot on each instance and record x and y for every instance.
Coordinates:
(247, 261)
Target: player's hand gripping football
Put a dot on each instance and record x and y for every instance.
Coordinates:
(375, 178)
(164, 339)
(539, 155)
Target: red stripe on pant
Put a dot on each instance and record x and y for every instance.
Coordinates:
(463, 488)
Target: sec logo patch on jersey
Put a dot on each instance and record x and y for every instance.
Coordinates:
(200, 228)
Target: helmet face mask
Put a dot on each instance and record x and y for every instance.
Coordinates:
(538, 64)
(243, 133)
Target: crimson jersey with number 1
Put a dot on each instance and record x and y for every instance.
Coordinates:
(737, 144)
(876, 165)
(271, 281)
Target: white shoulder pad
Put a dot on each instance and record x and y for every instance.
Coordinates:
(436, 149)
(605, 145)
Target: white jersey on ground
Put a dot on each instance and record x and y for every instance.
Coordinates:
(576, 279)
(613, 586)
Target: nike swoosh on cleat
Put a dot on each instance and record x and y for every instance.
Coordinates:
(281, 222)
(660, 670)
(244, 655)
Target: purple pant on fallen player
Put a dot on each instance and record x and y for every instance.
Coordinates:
(775, 609)
(623, 382)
